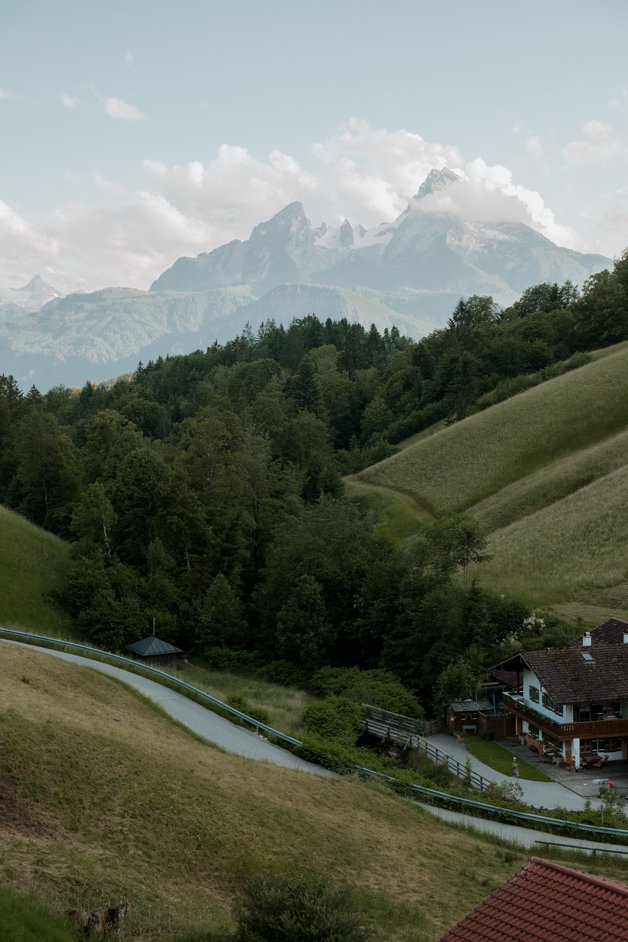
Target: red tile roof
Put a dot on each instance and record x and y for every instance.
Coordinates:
(545, 902)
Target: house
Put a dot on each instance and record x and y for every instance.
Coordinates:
(574, 700)
(462, 716)
(155, 652)
(546, 901)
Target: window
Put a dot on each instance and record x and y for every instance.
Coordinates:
(600, 745)
(534, 694)
(551, 704)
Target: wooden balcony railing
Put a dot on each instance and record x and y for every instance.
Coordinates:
(590, 729)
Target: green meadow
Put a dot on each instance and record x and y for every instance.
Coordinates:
(545, 475)
(32, 566)
(104, 797)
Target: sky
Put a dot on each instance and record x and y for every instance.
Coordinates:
(136, 131)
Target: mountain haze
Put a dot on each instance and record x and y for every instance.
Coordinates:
(424, 250)
(408, 273)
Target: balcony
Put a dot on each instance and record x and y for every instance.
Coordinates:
(591, 729)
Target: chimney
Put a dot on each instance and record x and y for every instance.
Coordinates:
(586, 639)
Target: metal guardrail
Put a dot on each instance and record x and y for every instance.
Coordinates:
(588, 850)
(168, 680)
(496, 811)
(432, 794)
(414, 741)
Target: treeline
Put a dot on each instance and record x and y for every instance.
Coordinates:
(204, 492)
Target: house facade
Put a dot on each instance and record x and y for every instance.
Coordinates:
(573, 701)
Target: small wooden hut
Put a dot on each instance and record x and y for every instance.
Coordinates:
(154, 652)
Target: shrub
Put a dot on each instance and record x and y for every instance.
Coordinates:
(284, 673)
(298, 909)
(336, 719)
(381, 688)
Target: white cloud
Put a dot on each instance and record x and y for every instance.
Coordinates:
(607, 226)
(109, 186)
(487, 193)
(117, 108)
(68, 101)
(5, 95)
(375, 171)
(129, 58)
(596, 144)
(367, 175)
(534, 146)
(25, 247)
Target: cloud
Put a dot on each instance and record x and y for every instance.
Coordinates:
(376, 171)
(5, 95)
(365, 174)
(129, 58)
(607, 226)
(534, 146)
(117, 108)
(109, 186)
(69, 101)
(25, 248)
(596, 144)
(486, 194)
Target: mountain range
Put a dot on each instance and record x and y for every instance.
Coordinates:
(409, 273)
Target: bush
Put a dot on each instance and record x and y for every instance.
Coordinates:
(297, 909)
(380, 688)
(284, 673)
(336, 719)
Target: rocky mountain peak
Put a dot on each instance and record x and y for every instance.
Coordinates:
(37, 285)
(346, 234)
(289, 220)
(436, 180)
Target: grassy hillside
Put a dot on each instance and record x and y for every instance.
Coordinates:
(32, 563)
(545, 475)
(102, 796)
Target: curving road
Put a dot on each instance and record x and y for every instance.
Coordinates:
(215, 729)
(243, 742)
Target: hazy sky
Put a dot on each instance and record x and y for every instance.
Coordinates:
(135, 131)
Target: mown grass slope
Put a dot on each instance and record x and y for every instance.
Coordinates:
(32, 566)
(101, 797)
(544, 474)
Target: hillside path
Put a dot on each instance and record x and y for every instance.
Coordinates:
(206, 724)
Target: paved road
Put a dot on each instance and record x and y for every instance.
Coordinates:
(242, 742)
(199, 719)
(537, 794)
(524, 837)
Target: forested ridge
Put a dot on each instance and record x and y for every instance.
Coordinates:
(204, 492)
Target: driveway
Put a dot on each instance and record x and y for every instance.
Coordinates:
(536, 794)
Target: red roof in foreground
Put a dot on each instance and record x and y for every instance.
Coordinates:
(545, 902)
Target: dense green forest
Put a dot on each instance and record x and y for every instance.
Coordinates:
(204, 492)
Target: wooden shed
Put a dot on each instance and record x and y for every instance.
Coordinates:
(155, 652)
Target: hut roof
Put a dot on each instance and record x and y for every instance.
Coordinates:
(152, 647)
